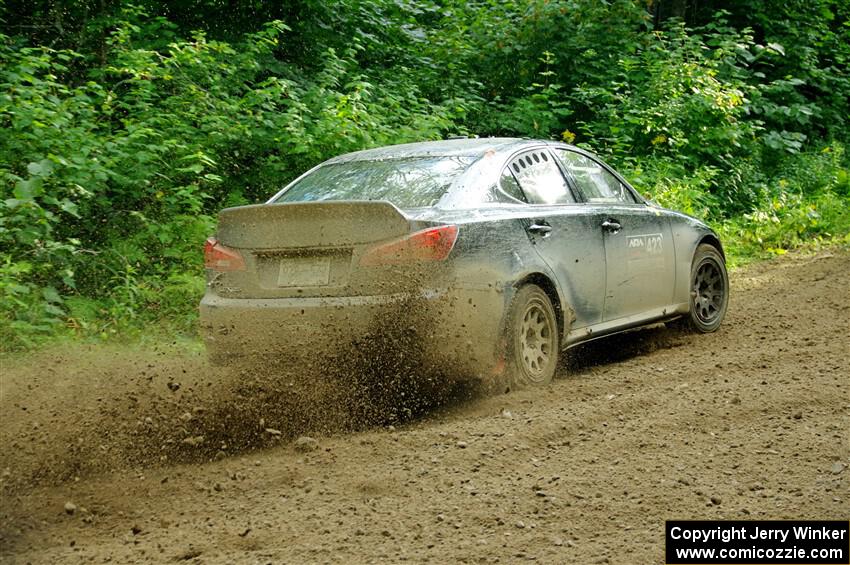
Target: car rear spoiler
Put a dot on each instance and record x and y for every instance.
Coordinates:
(310, 224)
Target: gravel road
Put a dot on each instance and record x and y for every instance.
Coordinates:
(148, 455)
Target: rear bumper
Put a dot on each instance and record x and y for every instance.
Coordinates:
(453, 330)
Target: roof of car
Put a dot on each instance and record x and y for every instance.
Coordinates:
(472, 147)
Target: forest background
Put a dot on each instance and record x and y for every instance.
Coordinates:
(127, 126)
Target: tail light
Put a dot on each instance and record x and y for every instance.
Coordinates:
(432, 244)
(221, 258)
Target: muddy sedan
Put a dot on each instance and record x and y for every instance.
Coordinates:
(481, 257)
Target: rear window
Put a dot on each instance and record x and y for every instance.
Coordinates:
(407, 183)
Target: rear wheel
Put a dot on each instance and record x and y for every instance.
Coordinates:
(532, 339)
(709, 292)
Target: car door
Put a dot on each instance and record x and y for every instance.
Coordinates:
(564, 234)
(639, 254)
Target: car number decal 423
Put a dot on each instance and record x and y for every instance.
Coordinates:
(649, 244)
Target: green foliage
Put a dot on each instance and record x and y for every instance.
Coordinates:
(808, 204)
(540, 111)
(670, 184)
(676, 96)
(127, 127)
(110, 184)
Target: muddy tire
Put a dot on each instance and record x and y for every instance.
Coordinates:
(709, 290)
(532, 339)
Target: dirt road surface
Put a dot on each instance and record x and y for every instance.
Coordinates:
(749, 423)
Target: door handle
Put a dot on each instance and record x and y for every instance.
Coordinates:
(611, 226)
(539, 229)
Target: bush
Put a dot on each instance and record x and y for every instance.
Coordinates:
(124, 133)
(110, 183)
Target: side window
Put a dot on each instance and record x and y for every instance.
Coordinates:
(540, 179)
(597, 184)
(509, 186)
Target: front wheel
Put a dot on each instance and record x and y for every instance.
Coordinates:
(709, 293)
(532, 339)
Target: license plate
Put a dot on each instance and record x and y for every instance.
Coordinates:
(304, 271)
